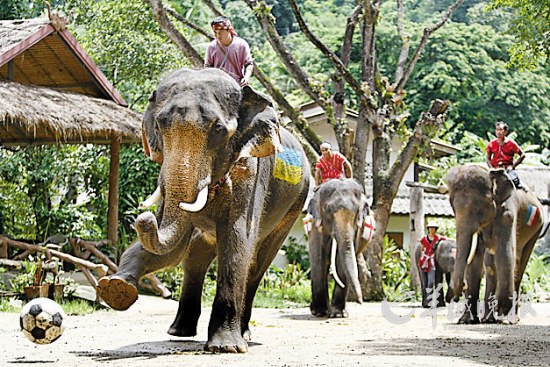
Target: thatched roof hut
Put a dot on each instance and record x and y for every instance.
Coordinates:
(51, 92)
(38, 115)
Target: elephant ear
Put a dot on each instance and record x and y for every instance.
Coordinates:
(259, 134)
(150, 135)
(502, 185)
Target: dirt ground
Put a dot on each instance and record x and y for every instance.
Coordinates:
(287, 337)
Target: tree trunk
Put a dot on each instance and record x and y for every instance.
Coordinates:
(417, 228)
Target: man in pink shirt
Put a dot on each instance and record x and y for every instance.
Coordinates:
(229, 52)
(331, 165)
(501, 152)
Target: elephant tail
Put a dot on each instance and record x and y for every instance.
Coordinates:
(333, 264)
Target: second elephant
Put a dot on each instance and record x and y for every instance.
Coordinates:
(445, 254)
(339, 208)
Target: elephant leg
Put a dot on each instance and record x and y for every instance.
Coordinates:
(449, 294)
(490, 289)
(473, 280)
(119, 290)
(319, 256)
(438, 287)
(198, 258)
(267, 251)
(235, 246)
(338, 303)
(505, 268)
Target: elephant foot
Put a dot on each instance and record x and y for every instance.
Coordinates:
(226, 342)
(334, 314)
(318, 312)
(247, 335)
(468, 319)
(176, 330)
(489, 319)
(117, 292)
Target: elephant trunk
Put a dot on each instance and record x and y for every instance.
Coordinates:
(463, 248)
(185, 176)
(348, 264)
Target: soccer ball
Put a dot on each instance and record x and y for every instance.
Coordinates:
(41, 321)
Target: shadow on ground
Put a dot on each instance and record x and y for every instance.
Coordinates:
(502, 345)
(149, 350)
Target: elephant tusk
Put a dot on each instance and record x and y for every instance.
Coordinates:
(333, 264)
(151, 200)
(473, 249)
(202, 198)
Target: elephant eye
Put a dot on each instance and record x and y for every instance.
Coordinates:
(218, 134)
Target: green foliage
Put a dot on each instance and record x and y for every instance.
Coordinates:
(395, 269)
(46, 190)
(530, 25)
(537, 275)
(288, 287)
(127, 44)
(296, 252)
(283, 288)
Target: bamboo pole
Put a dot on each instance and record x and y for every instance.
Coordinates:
(112, 212)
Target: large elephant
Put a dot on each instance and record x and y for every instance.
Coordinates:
(498, 226)
(445, 254)
(232, 183)
(339, 208)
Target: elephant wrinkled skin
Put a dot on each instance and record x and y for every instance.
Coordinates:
(339, 208)
(506, 223)
(232, 183)
(445, 255)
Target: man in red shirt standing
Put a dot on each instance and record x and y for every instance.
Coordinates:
(331, 165)
(501, 152)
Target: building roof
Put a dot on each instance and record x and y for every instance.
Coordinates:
(55, 117)
(33, 52)
(435, 205)
(52, 92)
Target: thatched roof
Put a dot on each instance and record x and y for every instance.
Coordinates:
(33, 52)
(38, 115)
(51, 92)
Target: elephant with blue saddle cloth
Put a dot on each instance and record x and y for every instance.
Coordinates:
(231, 185)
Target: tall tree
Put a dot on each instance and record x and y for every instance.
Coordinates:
(380, 98)
(531, 27)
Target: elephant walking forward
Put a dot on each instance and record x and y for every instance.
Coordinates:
(232, 183)
(339, 208)
(497, 226)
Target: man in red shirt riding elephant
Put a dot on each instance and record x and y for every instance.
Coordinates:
(501, 152)
(331, 165)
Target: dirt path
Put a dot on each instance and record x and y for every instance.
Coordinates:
(289, 337)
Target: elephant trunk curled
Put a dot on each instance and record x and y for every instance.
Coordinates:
(185, 179)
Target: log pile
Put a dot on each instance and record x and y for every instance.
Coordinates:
(82, 250)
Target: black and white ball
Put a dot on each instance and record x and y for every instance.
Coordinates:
(42, 320)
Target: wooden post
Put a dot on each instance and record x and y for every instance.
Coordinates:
(417, 230)
(112, 212)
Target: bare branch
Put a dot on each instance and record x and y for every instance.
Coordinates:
(405, 43)
(261, 11)
(190, 24)
(338, 64)
(427, 32)
(348, 34)
(175, 36)
(213, 7)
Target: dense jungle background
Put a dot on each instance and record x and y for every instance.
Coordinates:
(489, 60)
